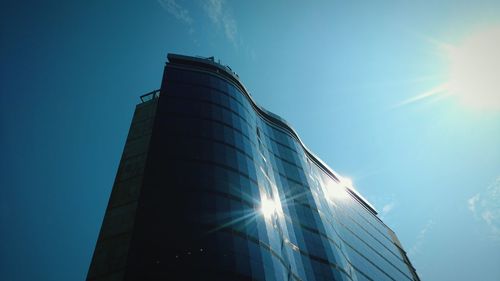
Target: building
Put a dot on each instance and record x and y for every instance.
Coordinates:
(212, 186)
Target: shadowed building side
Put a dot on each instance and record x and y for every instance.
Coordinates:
(111, 251)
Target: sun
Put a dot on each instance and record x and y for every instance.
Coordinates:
(474, 69)
(473, 72)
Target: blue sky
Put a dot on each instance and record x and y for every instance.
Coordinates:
(399, 96)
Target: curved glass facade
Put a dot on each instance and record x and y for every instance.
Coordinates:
(229, 192)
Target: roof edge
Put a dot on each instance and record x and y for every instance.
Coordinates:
(273, 118)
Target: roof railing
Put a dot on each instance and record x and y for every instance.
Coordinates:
(150, 96)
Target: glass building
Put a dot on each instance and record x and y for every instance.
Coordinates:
(211, 186)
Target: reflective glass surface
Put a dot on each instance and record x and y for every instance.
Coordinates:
(229, 193)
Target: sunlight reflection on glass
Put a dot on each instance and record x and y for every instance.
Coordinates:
(335, 192)
(269, 207)
(347, 182)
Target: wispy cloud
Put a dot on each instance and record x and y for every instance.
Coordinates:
(472, 202)
(176, 10)
(385, 205)
(220, 14)
(421, 238)
(485, 206)
(387, 208)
